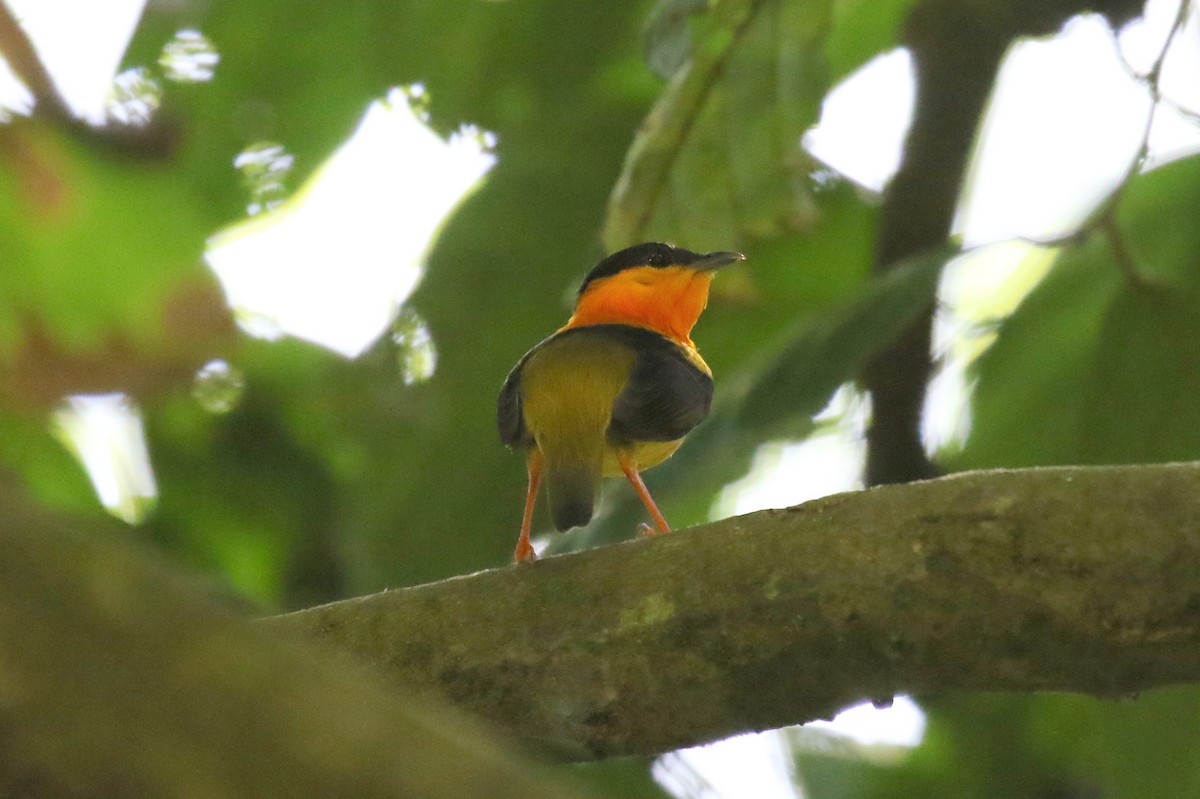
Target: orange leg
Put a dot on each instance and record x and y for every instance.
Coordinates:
(533, 462)
(635, 480)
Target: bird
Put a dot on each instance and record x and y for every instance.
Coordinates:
(614, 390)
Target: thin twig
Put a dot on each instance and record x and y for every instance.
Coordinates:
(158, 139)
(23, 58)
(648, 186)
(1104, 218)
(1121, 253)
(1190, 114)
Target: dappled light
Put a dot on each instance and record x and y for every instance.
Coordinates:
(785, 474)
(189, 58)
(742, 767)
(977, 291)
(218, 387)
(900, 723)
(1032, 181)
(333, 263)
(266, 265)
(864, 119)
(762, 766)
(106, 434)
(265, 167)
(14, 96)
(415, 347)
(82, 44)
(1032, 134)
(135, 97)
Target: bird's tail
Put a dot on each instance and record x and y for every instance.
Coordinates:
(571, 488)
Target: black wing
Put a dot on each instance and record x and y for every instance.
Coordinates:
(510, 419)
(667, 394)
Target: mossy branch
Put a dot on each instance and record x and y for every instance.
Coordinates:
(1074, 579)
(119, 677)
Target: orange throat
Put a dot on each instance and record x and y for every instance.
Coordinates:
(666, 300)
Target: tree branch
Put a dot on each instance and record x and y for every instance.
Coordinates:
(1075, 579)
(23, 58)
(158, 139)
(957, 49)
(956, 60)
(120, 678)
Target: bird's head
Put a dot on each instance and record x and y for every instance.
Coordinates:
(652, 285)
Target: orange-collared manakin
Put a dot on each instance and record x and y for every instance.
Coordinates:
(615, 390)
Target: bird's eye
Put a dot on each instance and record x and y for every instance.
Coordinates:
(657, 259)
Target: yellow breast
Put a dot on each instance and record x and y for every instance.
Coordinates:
(645, 454)
(568, 390)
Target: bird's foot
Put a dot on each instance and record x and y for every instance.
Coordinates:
(524, 553)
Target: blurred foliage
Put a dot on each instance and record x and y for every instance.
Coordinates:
(1101, 363)
(995, 746)
(623, 778)
(616, 122)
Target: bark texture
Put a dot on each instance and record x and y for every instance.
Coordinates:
(120, 678)
(1074, 579)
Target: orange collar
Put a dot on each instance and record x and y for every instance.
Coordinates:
(666, 300)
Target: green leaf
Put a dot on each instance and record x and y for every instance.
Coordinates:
(98, 250)
(994, 746)
(863, 29)
(718, 159)
(667, 39)
(1094, 367)
(833, 351)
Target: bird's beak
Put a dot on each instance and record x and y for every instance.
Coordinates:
(716, 260)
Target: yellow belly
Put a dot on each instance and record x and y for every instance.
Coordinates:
(569, 390)
(644, 454)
